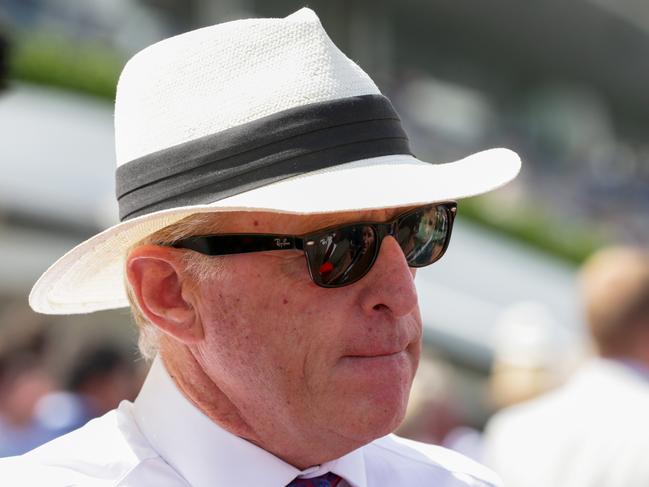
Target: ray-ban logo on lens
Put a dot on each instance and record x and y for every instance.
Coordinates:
(282, 242)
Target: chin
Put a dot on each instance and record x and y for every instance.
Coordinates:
(379, 427)
(373, 416)
(372, 396)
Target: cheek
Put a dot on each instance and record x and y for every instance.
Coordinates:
(268, 325)
(252, 322)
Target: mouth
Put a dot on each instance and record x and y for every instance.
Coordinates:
(377, 350)
(399, 344)
(378, 364)
(370, 355)
(375, 359)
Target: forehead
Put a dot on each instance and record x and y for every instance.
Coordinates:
(266, 222)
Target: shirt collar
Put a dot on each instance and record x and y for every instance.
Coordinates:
(207, 455)
(350, 467)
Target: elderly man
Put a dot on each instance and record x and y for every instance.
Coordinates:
(272, 220)
(594, 430)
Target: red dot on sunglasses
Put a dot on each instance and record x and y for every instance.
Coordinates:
(326, 268)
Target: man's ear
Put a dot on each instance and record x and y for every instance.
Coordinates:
(165, 297)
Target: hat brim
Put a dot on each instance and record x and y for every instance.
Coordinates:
(90, 277)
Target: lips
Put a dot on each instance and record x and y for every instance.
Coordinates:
(377, 365)
(385, 339)
(386, 348)
(374, 354)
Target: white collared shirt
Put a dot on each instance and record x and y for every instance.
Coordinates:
(592, 431)
(163, 440)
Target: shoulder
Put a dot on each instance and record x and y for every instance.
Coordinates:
(423, 464)
(578, 413)
(599, 389)
(534, 412)
(105, 452)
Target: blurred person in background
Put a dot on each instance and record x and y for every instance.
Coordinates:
(533, 354)
(44, 395)
(594, 430)
(282, 353)
(24, 381)
(101, 376)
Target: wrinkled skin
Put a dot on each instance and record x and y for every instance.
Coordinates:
(305, 372)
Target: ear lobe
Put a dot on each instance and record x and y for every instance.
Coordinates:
(165, 298)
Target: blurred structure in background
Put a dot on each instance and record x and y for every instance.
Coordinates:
(432, 409)
(4, 60)
(464, 76)
(533, 354)
(564, 84)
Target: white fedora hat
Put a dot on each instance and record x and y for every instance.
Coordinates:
(255, 114)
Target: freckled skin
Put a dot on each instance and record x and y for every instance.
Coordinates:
(312, 377)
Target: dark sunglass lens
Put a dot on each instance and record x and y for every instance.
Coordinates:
(422, 235)
(341, 256)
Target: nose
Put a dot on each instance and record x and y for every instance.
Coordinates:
(389, 286)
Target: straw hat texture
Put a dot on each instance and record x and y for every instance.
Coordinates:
(254, 114)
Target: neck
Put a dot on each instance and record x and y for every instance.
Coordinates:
(197, 386)
(632, 347)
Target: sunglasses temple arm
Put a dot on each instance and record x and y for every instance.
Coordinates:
(239, 244)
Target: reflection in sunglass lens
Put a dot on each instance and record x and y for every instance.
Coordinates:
(422, 235)
(342, 255)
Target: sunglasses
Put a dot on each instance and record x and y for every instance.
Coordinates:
(341, 255)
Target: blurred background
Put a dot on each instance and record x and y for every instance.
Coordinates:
(564, 83)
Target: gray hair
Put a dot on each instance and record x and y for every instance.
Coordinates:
(199, 266)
